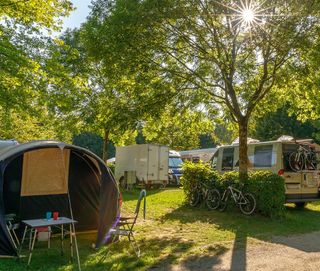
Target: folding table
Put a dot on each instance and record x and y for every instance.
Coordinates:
(33, 224)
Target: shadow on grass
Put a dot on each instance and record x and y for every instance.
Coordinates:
(296, 221)
(157, 254)
(286, 231)
(202, 262)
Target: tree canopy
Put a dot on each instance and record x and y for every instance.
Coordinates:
(272, 125)
(178, 129)
(149, 66)
(22, 77)
(208, 47)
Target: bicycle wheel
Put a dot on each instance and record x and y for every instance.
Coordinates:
(224, 201)
(194, 198)
(311, 161)
(296, 161)
(213, 199)
(249, 205)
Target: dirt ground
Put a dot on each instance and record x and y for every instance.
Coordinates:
(300, 252)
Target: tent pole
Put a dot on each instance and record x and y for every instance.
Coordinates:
(74, 232)
(71, 212)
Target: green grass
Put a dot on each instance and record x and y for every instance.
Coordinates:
(171, 233)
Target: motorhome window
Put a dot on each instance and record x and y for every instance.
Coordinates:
(175, 162)
(263, 156)
(227, 159)
(214, 160)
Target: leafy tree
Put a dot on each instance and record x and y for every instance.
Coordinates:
(118, 100)
(225, 131)
(206, 141)
(140, 138)
(177, 129)
(25, 127)
(233, 53)
(24, 115)
(36, 13)
(93, 142)
(83, 94)
(272, 125)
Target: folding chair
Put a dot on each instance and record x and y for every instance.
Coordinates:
(126, 224)
(12, 226)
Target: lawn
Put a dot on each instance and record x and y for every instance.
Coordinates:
(173, 232)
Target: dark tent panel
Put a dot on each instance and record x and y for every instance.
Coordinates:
(43, 176)
(12, 185)
(84, 188)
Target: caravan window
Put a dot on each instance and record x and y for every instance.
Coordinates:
(263, 156)
(214, 160)
(227, 159)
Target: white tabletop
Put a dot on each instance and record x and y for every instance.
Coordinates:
(43, 222)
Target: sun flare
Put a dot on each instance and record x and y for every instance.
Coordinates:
(248, 15)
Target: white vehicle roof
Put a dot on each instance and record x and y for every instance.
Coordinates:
(111, 160)
(197, 151)
(280, 140)
(173, 153)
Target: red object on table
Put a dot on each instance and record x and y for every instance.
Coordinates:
(55, 215)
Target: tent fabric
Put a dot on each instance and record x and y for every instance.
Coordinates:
(82, 186)
(108, 217)
(6, 246)
(45, 172)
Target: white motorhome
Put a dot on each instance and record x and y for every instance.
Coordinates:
(301, 186)
(199, 154)
(143, 163)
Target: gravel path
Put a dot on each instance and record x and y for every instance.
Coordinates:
(300, 252)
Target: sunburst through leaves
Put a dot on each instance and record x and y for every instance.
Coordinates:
(246, 14)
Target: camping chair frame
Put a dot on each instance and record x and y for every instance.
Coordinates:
(11, 227)
(126, 224)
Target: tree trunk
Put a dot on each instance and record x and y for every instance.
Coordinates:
(243, 148)
(105, 145)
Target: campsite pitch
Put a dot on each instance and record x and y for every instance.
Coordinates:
(175, 236)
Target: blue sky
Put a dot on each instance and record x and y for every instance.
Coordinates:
(78, 16)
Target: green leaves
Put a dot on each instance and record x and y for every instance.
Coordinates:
(200, 53)
(180, 128)
(23, 77)
(39, 13)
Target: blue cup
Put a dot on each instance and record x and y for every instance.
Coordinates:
(48, 215)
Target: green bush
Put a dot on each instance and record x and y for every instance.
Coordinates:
(268, 188)
(269, 191)
(193, 173)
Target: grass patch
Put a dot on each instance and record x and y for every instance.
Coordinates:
(172, 232)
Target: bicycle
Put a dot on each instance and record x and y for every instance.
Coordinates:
(246, 202)
(303, 158)
(211, 196)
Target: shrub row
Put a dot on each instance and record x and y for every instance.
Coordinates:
(268, 188)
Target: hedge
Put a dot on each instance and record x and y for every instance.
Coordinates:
(196, 172)
(268, 188)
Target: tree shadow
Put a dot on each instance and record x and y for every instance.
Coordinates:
(285, 231)
(202, 262)
(164, 253)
